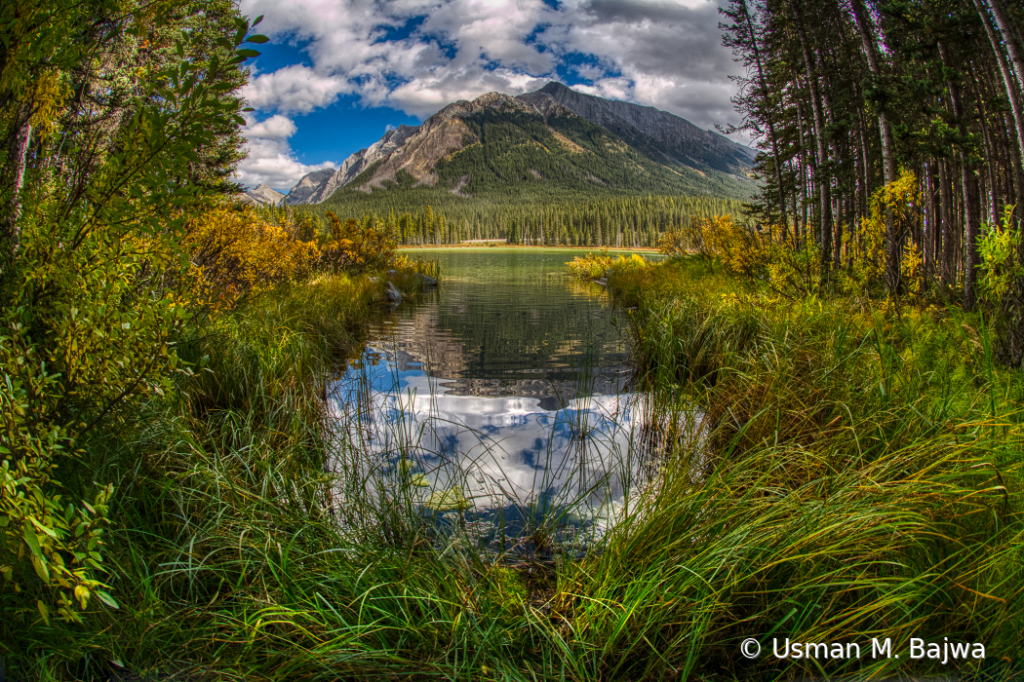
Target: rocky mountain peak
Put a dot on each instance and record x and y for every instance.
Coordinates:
(263, 195)
(415, 151)
(656, 132)
(309, 184)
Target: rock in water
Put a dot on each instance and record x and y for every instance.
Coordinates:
(393, 294)
(426, 281)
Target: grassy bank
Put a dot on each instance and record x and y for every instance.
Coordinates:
(870, 461)
(847, 488)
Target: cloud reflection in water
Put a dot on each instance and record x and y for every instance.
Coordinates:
(510, 456)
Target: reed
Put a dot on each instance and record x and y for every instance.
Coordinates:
(825, 472)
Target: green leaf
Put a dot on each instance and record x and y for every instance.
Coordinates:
(107, 599)
(246, 54)
(31, 540)
(258, 39)
(43, 528)
(41, 570)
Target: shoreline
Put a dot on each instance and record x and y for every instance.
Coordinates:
(503, 245)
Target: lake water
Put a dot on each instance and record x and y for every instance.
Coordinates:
(498, 402)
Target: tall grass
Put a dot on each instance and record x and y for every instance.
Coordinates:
(855, 476)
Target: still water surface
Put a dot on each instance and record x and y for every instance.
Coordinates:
(500, 397)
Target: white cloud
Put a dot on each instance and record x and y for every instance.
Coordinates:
(295, 88)
(662, 53)
(277, 127)
(270, 159)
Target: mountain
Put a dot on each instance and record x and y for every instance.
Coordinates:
(309, 185)
(263, 196)
(550, 143)
(656, 132)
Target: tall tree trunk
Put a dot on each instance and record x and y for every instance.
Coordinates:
(17, 155)
(803, 172)
(762, 83)
(1006, 28)
(865, 152)
(934, 225)
(892, 251)
(1008, 80)
(969, 185)
(948, 226)
(821, 178)
(1012, 305)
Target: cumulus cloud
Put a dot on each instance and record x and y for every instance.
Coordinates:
(277, 127)
(419, 55)
(270, 159)
(295, 88)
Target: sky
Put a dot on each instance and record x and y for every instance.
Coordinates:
(337, 74)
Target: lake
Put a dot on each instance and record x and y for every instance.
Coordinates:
(498, 403)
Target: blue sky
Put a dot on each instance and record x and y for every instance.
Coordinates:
(337, 73)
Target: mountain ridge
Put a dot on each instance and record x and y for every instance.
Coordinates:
(478, 145)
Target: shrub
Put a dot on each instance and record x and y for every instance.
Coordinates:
(234, 252)
(596, 266)
(356, 247)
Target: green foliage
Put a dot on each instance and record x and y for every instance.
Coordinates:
(999, 247)
(92, 255)
(582, 221)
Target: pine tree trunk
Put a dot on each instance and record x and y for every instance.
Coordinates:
(802, 232)
(969, 186)
(948, 228)
(772, 137)
(934, 239)
(821, 179)
(1009, 37)
(892, 255)
(1008, 80)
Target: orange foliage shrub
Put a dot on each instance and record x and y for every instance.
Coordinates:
(358, 247)
(235, 252)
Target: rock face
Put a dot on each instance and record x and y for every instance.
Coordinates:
(363, 159)
(309, 185)
(650, 129)
(416, 150)
(262, 196)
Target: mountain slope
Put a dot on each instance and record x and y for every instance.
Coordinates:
(262, 196)
(652, 130)
(544, 144)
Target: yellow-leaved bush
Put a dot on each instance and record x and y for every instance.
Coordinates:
(234, 252)
(597, 265)
(355, 246)
(865, 252)
(738, 248)
(1000, 268)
